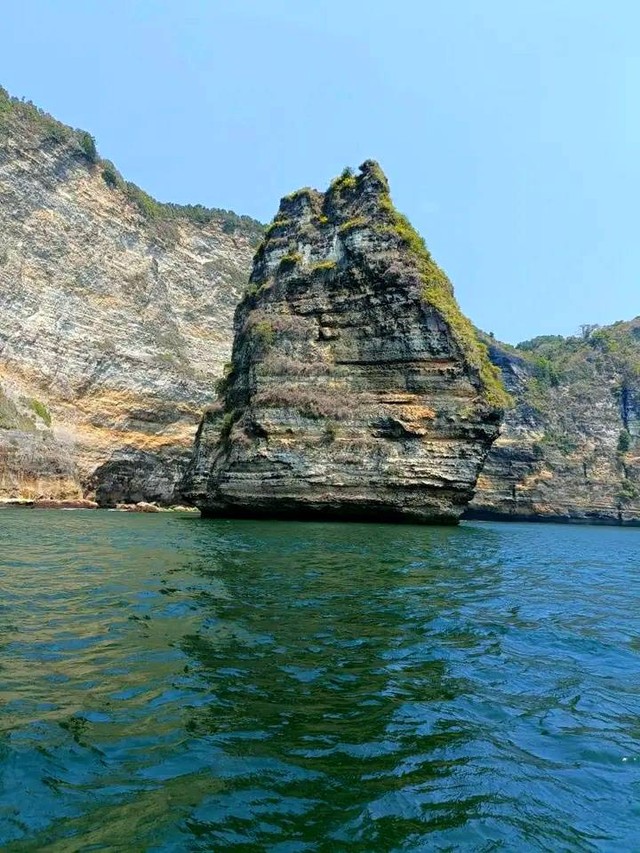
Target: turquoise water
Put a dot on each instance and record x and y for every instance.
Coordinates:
(173, 684)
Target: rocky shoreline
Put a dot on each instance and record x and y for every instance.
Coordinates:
(607, 518)
(44, 503)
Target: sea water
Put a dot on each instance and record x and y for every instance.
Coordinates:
(173, 684)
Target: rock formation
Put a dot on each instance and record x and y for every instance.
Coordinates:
(33, 462)
(115, 317)
(570, 446)
(357, 389)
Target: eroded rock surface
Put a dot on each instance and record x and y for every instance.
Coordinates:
(570, 446)
(33, 461)
(357, 389)
(116, 316)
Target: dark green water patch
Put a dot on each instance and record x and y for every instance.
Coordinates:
(172, 684)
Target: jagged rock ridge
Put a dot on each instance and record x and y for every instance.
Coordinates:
(357, 388)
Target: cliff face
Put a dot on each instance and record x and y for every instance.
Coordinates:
(570, 448)
(115, 314)
(357, 388)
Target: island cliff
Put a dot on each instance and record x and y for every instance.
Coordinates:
(356, 389)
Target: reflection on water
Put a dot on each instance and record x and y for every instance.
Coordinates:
(173, 684)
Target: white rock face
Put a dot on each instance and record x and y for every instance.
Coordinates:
(117, 323)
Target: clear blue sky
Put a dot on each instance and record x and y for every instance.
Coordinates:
(509, 129)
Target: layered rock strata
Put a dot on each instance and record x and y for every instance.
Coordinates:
(570, 446)
(357, 388)
(116, 316)
(33, 462)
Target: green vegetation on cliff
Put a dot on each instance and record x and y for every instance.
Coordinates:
(32, 124)
(41, 411)
(12, 418)
(614, 350)
(570, 448)
(438, 291)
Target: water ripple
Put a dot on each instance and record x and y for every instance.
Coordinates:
(174, 685)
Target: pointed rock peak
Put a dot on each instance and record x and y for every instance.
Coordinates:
(372, 176)
(368, 189)
(355, 226)
(358, 389)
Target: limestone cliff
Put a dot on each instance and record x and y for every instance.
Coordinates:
(115, 314)
(570, 447)
(357, 388)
